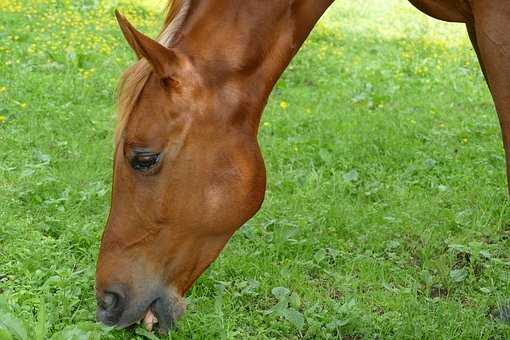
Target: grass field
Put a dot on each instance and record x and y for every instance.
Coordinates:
(386, 214)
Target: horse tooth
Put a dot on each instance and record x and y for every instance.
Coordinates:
(149, 320)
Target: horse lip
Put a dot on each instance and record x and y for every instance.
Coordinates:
(161, 309)
(128, 320)
(104, 319)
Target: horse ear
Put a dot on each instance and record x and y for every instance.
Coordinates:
(160, 57)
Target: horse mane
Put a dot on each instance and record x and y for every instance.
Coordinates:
(133, 80)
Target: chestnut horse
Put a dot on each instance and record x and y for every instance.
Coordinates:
(188, 171)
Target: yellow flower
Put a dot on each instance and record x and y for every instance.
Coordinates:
(23, 105)
(3, 89)
(2, 119)
(284, 105)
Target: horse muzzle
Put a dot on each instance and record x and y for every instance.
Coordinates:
(158, 309)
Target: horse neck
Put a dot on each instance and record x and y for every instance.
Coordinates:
(247, 43)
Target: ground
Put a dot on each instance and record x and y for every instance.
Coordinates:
(386, 214)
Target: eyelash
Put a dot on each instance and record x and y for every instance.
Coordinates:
(144, 161)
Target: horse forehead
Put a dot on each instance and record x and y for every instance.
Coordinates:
(150, 115)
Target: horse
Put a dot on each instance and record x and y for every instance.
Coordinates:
(188, 170)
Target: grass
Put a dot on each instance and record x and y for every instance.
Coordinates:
(386, 214)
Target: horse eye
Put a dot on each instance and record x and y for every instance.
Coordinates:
(144, 161)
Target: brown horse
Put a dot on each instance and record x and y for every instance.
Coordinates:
(188, 170)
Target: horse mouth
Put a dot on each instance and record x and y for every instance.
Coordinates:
(158, 313)
(150, 320)
(159, 317)
(162, 314)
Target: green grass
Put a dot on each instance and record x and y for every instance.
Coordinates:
(386, 214)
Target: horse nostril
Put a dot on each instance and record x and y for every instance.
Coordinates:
(110, 305)
(110, 300)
